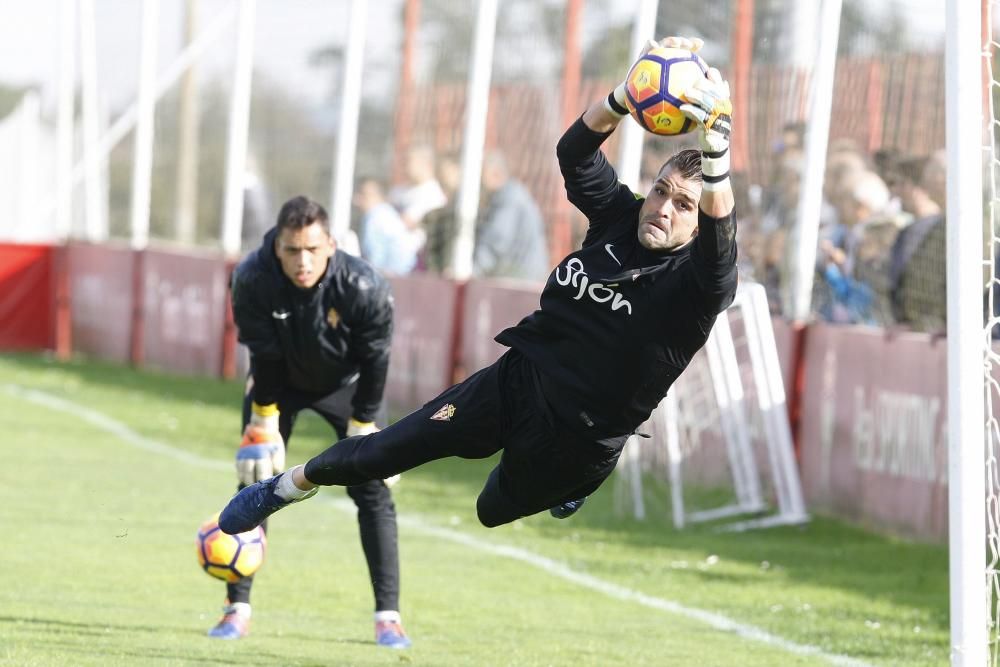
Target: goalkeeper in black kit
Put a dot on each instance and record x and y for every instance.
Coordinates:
(619, 320)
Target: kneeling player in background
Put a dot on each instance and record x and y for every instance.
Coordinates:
(619, 320)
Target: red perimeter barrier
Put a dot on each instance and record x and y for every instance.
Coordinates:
(490, 307)
(874, 440)
(420, 365)
(184, 311)
(101, 299)
(27, 297)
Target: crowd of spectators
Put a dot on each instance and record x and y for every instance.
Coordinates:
(880, 257)
(414, 226)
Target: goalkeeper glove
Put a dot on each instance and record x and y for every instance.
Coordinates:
(262, 451)
(615, 101)
(709, 105)
(354, 427)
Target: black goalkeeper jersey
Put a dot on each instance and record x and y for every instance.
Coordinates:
(618, 323)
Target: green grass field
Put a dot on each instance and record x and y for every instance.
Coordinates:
(110, 471)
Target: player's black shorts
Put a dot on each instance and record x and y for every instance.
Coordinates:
(544, 461)
(335, 407)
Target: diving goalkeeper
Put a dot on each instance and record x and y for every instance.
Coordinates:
(619, 320)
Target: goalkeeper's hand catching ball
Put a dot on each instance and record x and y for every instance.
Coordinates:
(710, 107)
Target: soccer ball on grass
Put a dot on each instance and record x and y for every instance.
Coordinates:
(654, 89)
(229, 557)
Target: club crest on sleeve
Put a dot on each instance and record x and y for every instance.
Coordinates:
(444, 413)
(333, 317)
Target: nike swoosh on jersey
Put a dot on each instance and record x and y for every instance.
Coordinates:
(284, 315)
(607, 246)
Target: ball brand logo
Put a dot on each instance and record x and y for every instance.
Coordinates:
(598, 292)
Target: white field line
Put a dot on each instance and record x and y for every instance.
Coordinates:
(554, 568)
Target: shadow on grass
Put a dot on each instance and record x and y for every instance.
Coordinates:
(102, 639)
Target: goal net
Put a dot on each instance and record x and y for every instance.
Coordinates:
(990, 248)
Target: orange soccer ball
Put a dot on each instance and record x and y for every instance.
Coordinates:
(229, 557)
(655, 89)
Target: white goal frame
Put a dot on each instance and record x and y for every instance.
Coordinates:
(968, 338)
(731, 399)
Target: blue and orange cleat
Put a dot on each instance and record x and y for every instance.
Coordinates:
(390, 635)
(248, 508)
(567, 509)
(233, 625)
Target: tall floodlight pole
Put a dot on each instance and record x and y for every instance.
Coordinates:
(806, 231)
(239, 130)
(630, 153)
(967, 338)
(350, 109)
(64, 117)
(142, 163)
(477, 100)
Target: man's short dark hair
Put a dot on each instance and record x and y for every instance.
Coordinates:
(687, 163)
(299, 212)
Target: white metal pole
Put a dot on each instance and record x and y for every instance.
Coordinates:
(126, 121)
(630, 150)
(967, 339)
(342, 186)
(64, 117)
(633, 459)
(142, 161)
(806, 232)
(669, 414)
(186, 213)
(725, 371)
(239, 129)
(770, 384)
(29, 119)
(96, 224)
(476, 107)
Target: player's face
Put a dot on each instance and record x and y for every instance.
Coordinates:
(669, 217)
(304, 253)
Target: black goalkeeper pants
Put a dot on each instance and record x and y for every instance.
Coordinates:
(376, 511)
(544, 463)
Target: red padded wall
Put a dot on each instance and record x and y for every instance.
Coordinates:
(27, 292)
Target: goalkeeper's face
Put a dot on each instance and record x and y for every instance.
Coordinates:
(304, 253)
(669, 217)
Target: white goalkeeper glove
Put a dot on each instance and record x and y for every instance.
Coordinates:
(354, 427)
(262, 451)
(710, 107)
(615, 101)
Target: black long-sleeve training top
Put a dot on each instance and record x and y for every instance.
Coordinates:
(618, 323)
(317, 340)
